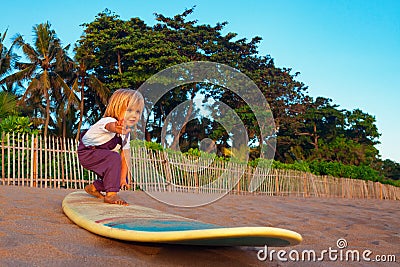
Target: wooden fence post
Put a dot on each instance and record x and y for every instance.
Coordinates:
(3, 171)
(277, 184)
(196, 179)
(34, 161)
(305, 185)
(167, 171)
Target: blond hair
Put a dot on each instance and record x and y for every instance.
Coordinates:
(120, 100)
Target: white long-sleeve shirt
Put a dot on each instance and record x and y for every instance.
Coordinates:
(98, 134)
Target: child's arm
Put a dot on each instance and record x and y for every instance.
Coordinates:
(125, 167)
(117, 127)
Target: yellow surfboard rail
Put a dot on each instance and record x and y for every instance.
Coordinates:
(103, 219)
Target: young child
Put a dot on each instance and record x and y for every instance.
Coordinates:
(104, 148)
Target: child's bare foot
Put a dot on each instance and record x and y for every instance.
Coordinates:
(113, 198)
(91, 190)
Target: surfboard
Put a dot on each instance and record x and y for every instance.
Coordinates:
(146, 225)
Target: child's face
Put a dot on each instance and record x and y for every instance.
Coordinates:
(131, 116)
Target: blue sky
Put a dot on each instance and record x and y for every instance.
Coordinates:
(346, 50)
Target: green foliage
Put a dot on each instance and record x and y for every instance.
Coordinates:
(324, 132)
(390, 182)
(346, 151)
(8, 104)
(337, 169)
(17, 124)
(298, 166)
(391, 169)
(149, 145)
(341, 170)
(194, 152)
(262, 163)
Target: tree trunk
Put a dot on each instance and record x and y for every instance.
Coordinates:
(81, 106)
(47, 121)
(178, 134)
(119, 63)
(315, 137)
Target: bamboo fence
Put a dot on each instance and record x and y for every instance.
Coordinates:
(52, 162)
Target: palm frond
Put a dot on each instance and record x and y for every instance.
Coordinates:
(30, 53)
(3, 37)
(34, 86)
(45, 80)
(72, 98)
(75, 85)
(7, 57)
(8, 104)
(17, 41)
(43, 38)
(99, 88)
(24, 74)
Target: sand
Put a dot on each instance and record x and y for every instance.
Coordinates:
(35, 232)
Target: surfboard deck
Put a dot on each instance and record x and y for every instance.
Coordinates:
(141, 224)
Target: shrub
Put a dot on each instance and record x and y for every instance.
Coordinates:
(17, 124)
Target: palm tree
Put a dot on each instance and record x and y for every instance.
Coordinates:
(7, 57)
(47, 64)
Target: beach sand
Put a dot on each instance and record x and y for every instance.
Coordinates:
(35, 232)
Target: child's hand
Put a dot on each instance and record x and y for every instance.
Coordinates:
(121, 127)
(124, 186)
(118, 127)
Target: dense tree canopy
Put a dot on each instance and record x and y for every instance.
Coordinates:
(113, 53)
